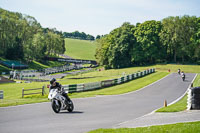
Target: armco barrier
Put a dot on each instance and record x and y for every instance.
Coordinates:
(91, 86)
(122, 79)
(141, 74)
(125, 79)
(66, 87)
(115, 81)
(129, 77)
(73, 88)
(119, 81)
(1, 94)
(105, 83)
(80, 87)
(132, 76)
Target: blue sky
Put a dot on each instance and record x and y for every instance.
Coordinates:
(99, 16)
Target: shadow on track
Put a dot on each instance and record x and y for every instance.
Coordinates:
(74, 112)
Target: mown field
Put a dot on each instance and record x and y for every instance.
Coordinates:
(80, 49)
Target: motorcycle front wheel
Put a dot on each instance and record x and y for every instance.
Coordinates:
(70, 106)
(55, 106)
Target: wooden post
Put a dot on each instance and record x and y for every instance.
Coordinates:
(22, 92)
(165, 103)
(42, 90)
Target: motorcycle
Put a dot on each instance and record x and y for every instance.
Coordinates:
(59, 102)
(183, 77)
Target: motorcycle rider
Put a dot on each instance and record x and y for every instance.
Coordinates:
(55, 85)
(183, 75)
(179, 71)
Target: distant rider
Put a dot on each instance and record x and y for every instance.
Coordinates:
(179, 71)
(55, 85)
(183, 75)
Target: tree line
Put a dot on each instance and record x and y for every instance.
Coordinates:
(78, 35)
(174, 39)
(22, 37)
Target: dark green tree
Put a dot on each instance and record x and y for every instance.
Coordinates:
(148, 48)
(114, 50)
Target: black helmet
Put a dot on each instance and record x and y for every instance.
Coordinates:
(52, 80)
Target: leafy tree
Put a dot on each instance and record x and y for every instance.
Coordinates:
(98, 37)
(22, 37)
(78, 35)
(148, 48)
(114, 50)
(177, 35)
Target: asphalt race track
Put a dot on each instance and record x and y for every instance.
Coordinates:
(93, 113)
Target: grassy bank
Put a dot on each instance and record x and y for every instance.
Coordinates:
(175, 67)
(190, 127)
(97, 75)
(80, 49)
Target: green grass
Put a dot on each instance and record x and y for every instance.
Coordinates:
(197, 81)
(13, 93)
(80, 49)
(174, 68)
(4, 69)
(189, 127)
(177, 107)
(47, 64)
(181, 105)
(97, 75)
(35, 65)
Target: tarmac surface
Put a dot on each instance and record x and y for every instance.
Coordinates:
(153, 119)
(96, 112)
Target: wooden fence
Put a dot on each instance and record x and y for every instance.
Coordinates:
(39, 92)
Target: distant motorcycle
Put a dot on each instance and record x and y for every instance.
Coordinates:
(179, 71)
(183, 76)
(59, 102)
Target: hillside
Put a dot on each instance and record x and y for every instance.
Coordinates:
(80, 49)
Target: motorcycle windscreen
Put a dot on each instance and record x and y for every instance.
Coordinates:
(52, 93)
